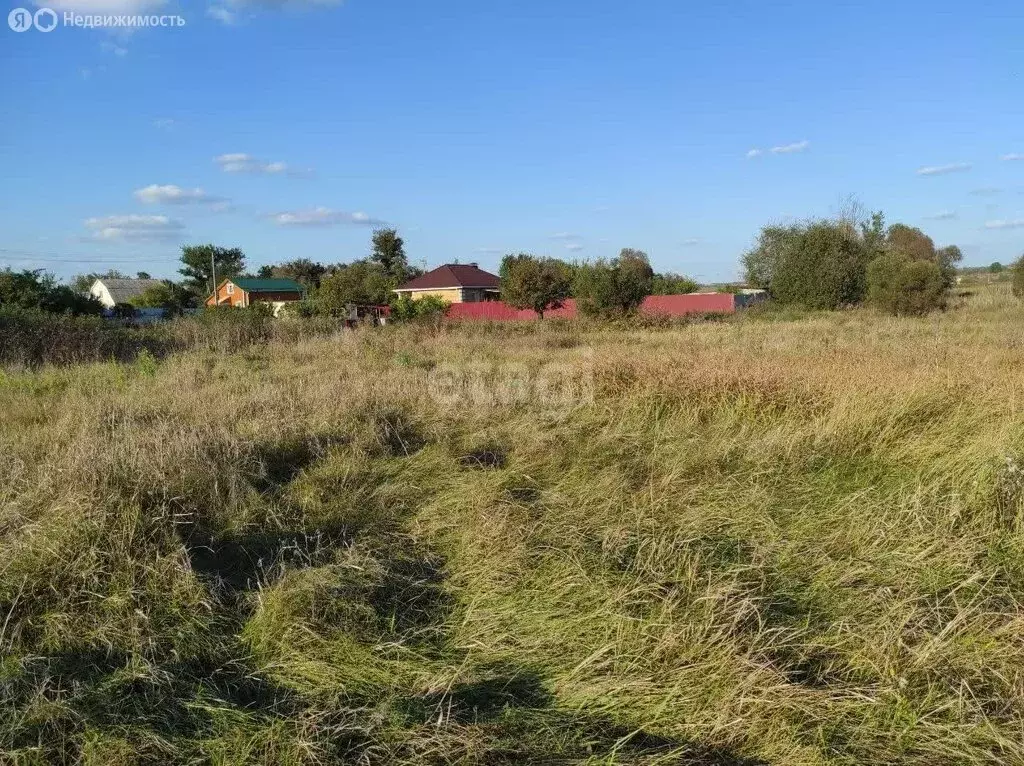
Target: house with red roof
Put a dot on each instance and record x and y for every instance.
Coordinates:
(455, 283)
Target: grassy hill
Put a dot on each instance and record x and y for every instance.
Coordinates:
(767, 540)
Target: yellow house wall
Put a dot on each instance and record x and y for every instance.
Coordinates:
(452, 295)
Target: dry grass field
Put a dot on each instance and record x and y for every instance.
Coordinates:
(766, 540)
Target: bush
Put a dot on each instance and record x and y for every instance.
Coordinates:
(529, 282)
(1018, 277)
(32, 338)
(820, 266)
(673, 284)
(904, 286)
(427, 309)
(613, 288)
(38, 290)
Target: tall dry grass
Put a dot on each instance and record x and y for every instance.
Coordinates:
(758, 541)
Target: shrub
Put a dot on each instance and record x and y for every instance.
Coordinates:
(37, 290)
(427, 309)
(615, 287)
(32, 338)
(673, 284)
(820, 266)
(1018, 277)
(171, 297)
(904, 286)
(361, 283)
(529, 282)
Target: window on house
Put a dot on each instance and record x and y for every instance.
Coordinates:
(231, 289)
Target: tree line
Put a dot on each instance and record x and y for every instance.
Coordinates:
(821, 264)
(834, 263)
(606, 287)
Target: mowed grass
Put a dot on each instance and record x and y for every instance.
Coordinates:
(767, 540)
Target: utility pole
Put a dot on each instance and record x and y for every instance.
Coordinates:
(213, 269)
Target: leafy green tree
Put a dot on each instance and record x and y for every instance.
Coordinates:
(821, 265)
(904, 286)
(761, 262)
(196, 266)
(910, 241)
(917, 245)
(430, 308)
(613, 287)
(35, 289)
(872, 231)
(304, 271)
(1018, 277)
(388, 251)
(996, 268)
(673, 284)
(360, 282)
(529, 282)
(167, 295)
(946, 259)
(142, 275)
(82, 282)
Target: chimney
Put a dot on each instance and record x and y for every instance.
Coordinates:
(474, 264)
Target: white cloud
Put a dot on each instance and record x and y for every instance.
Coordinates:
(109, 47)
(322, 216)
(102, 6)
(132, 228)
(1012, 157)
(691, 242)
(169, 194)
(938, 170)
(1016, 223)
(222, 14)
(565, 235)
(986, 191)
(943, 215)
(799, 146)
(488, 250)
(754, 153)
(163, 123)
(239, 162)
(283, 3)
(574, 247)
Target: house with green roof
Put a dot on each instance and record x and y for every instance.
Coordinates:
(242, 292)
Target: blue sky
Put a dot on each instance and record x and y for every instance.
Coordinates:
(478, 128)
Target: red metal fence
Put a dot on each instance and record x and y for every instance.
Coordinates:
(653, 305)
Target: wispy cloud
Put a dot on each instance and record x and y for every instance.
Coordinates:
(794, 148)
(488, 250)
(133, 228)
(101, 6)
(108, 47)
(565, 236)
(169, 194)
(163, 123)
(1012, 157)
(238, 162)
(1016, 223)
(986, 191)
(691, 242)
(799, 146)
(283, 3)
(322, 216)
(574, 247)
(223, 15)
(943, 215)
(938, 170)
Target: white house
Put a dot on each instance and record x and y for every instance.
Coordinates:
(112, 292)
